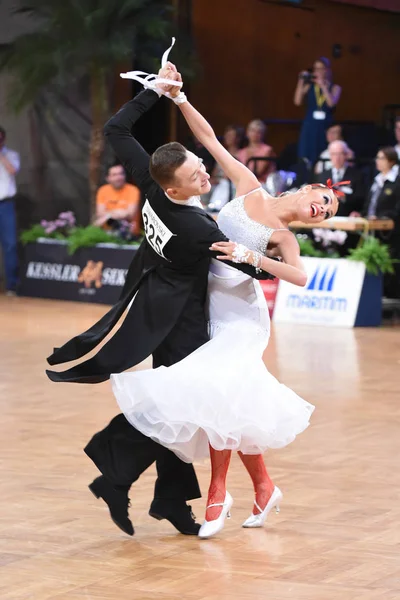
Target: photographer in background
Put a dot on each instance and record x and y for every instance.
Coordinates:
(9, 167)
(322, 96)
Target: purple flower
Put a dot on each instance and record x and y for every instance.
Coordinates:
(43, 223)
(51, 227)
(68, 217)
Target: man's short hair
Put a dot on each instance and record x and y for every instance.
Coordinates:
(345, 147)
(334, 125)
(111, 166)
(165, 161)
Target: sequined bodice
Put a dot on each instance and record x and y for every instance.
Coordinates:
(239, 227)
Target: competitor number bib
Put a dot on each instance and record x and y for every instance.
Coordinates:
(157, 234)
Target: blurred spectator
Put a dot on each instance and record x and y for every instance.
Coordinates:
(333, 134)
(384, 196)
(384, 203)
(256, 147)
(397, 134)
(117, 201)
(199, 150)
(9, 167)
(322, 96)
(222, 190)
(341, 171)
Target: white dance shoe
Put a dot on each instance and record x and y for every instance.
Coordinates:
(210, 528)
(259, 519)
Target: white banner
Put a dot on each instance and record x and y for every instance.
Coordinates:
(330, 298)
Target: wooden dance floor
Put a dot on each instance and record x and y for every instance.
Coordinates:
(337, 536)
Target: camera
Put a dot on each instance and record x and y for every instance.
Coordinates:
(307, 76)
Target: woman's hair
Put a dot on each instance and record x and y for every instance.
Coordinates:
(290, 192)
(390, 154)
(320, 186)
(327, 64)
(325, 61)
(238, 129)
(258, 123)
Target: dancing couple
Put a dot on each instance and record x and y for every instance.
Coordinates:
(195, 304)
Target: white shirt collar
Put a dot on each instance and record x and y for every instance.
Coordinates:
(342, 170)
(193, 201)
(391, 176)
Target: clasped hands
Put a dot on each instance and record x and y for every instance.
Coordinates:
(169, 71)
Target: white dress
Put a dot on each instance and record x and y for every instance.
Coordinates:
(222, 393)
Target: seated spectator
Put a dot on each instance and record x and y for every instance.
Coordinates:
(333, 134)
(383, 202)
(397, 134)
(117, 201)
(341, 171)
(256, 147)
(199, 150)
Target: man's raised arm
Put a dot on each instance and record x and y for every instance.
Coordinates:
(118, 131)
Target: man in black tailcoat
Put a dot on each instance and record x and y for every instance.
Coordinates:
(167, 282)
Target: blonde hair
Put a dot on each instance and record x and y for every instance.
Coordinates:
(345, 147)
(258, 123)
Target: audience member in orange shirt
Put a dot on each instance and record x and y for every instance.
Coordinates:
(118, 200)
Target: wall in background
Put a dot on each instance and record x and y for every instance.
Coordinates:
(251, 57)
(392, 5)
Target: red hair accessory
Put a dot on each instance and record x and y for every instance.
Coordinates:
(333, 186)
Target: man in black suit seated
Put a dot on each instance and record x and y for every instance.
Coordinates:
(354, 197)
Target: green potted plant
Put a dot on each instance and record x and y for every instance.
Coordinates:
(86, 42)
(65, 230)
(374, 255)
(378, 262)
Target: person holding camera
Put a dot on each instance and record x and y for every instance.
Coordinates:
(322, 96)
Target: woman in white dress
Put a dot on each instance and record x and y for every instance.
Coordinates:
(222, 397)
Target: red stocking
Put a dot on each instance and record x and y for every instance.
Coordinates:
(262, 483)
(220, 460)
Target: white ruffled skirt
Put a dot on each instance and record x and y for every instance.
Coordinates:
(222, 394)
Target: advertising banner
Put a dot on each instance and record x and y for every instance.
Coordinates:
(330, 298)
(94, 274)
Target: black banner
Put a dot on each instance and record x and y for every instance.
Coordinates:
(89, 275)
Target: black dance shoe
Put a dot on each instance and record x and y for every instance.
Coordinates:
(117, 502)
(177, 512)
